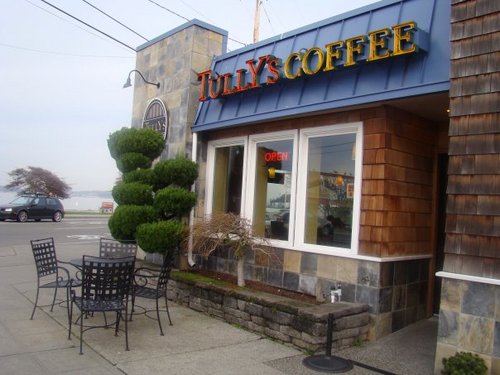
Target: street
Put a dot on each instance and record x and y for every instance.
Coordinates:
(72, 229)
(74, 236)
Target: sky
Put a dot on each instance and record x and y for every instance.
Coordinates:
(61, 82)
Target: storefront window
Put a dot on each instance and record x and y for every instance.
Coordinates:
(300, 188)
(330, 190)
(272, 190)
(228, 175)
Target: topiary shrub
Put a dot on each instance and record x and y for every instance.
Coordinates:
(144, 176)
(131, 161)
(464, 363)
(174, 201)
(180, 171)
(126, 193)
(160, 237)
(145, 141)
(124, 221)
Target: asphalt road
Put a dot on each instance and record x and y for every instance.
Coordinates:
(73, 236)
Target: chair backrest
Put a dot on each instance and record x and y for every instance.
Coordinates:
(44, 252)
(106, 279)
(109, 248)
(164, 273)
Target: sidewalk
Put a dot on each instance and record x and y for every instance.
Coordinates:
(196, 344)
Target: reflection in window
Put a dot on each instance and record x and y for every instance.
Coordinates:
(330, 190)
(273, 181)
(228, 179)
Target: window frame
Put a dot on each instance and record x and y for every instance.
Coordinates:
(304, 137)
(212, 147)
(297, 220)
(253, 141)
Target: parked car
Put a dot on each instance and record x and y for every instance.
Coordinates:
(33, 207)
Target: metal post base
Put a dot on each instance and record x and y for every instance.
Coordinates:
(327, 363)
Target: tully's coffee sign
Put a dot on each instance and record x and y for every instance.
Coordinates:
(374, 46)
(156, 117)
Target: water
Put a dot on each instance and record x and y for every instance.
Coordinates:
(75, 203)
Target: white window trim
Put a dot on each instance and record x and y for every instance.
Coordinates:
(305, 134)
(210, 175)
(252, 154)
(300, 139)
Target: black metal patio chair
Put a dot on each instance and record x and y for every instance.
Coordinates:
(151, 283)
(105, 287)
(110, 248)
(50, 273)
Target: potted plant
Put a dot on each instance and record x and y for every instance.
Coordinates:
(229, 230)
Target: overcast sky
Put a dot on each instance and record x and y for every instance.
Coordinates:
(61, 82)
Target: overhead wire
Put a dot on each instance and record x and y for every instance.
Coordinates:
(187, 19)
(114, 19)
(61, 53)
(267, 16)
(64, 19)
(88, 25)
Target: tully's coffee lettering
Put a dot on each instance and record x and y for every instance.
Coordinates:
(374, 46)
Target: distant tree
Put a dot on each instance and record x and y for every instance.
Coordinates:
(37, 180)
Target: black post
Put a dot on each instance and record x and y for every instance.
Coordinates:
(327, 362)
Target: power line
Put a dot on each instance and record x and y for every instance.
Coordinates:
(65, 20)
(114, 19)
(60, 53)
(187, 19)
(168, 10)
(88, 25)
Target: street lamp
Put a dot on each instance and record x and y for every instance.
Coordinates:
(128, 83)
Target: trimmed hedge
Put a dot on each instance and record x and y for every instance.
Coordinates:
(160, 237)
(124, 221)
(126, 193)
(180, 171)
(175, 201)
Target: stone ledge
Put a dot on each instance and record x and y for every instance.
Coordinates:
(284, 319)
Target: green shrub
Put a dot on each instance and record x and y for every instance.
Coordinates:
(174, 201)
(131, 161)
(180, 171)
(464, 363)
(144, 176)
(160, 237)
(126, 193)
(144, 141)
(125, 220)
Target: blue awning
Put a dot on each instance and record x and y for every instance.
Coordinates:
(424, 72)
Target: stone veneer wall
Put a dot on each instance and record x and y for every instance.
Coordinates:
(469, 320)
(172, 59)
(286, 320)
(395, 292)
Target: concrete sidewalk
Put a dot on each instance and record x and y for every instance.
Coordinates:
(195, 344)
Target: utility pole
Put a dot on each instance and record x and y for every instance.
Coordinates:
(256, 21)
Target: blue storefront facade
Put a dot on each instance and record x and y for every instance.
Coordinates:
(336, 140)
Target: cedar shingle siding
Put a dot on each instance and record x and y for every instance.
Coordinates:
(473, 208)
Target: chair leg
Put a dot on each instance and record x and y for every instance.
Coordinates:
(81, 333)
(158, 317)
(117, 324)
(166, 307)
(126, 330)
(70, 318)
(36, 302)
(132, 309)
(54, 299)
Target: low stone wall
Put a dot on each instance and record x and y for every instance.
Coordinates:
(284, 319)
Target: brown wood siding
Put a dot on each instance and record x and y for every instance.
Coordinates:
(397, 194)
(473, 210)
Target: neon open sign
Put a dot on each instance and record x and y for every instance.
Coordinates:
(275, 156)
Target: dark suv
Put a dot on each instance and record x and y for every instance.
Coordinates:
(33, 206)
